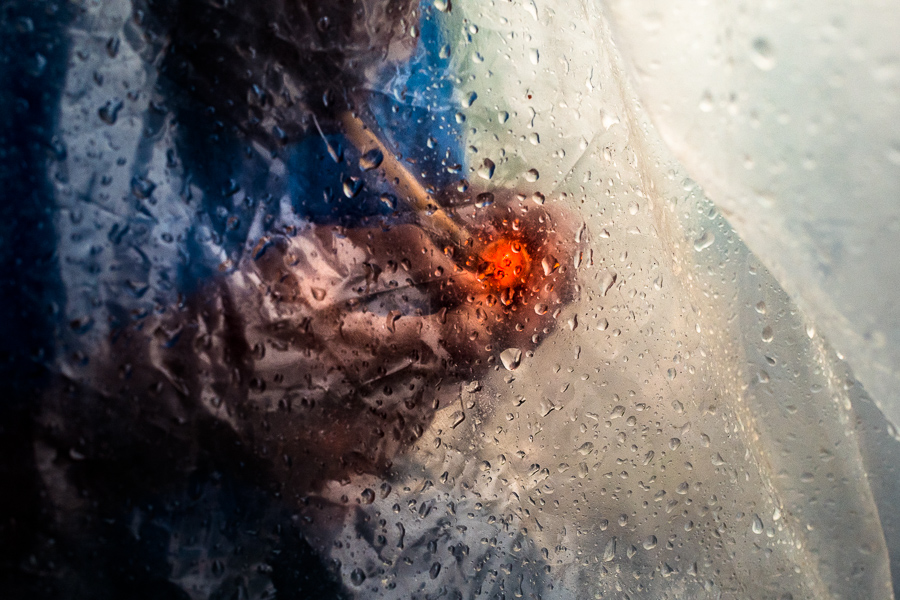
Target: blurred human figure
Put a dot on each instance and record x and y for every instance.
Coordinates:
(315, 323)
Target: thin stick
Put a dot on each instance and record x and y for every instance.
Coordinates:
(428, 212)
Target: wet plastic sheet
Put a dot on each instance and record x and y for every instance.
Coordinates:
(667, 425)
(785, 114)
(693, 331)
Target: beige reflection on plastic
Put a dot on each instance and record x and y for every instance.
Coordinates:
(685, 435)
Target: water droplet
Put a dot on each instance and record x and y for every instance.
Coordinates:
(761, 307)
(609, 552)
(470, 100)
(392, 317)
(389, 201)
(538, 198)
(109, 112)
(532, 175)
(352, 186)
(674, 443)
(547, 407)
(435, 570)
(541, 308)
(484, 200)
(534, 56)
(762, 54)
(706, 102)
(549, 264)
(142, 187)
(112, 46)
(606, 283)
(443, 5)
(357, 577)
(371, 159)
(487, 169)
(650, 542)
(511, 358)
(767, 334)
(704, 241)
(608, 120)
(318, 293)
(893, 432)
(603, 324)
(756, 525)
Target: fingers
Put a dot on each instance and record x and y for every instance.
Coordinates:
(519, 311)
(355, 330)
(381, 300)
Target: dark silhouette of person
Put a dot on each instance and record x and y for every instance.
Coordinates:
(184, 454)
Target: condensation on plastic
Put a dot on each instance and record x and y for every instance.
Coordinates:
(701, 345)
(685, 432)
(786, 114)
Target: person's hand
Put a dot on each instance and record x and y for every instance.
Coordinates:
(354, 330)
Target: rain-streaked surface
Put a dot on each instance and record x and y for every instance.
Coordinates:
(399, 300)
(786, 114)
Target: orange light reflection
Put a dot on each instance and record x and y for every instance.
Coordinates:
(507, 263)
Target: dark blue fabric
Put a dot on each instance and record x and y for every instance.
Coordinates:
(34, 53)
(416, 116)
(417, 112)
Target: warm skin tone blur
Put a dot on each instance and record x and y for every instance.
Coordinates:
(392, 316)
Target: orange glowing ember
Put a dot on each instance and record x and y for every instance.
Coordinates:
(507, 263)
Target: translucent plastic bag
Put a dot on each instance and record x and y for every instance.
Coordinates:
(289, 360)
(785, 114)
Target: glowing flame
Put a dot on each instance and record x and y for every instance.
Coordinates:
(506, 263)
